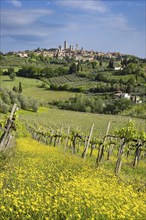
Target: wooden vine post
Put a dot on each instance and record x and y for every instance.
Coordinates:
(66, 141)
(74, 140)
(93, 145)
(109, 152)
(137, 153)
(51, 137)
(87, 146)
(101, 146)
(120, 154)
(6, 136)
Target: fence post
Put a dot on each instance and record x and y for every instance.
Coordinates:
(86, 147)
(4, 140)
(101, 146)
(66, 141)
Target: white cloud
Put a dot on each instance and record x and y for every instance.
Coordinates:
(23, 17)
(16, 3)
(116, 22)
(112, 21)
(90, 5)
(24, 25)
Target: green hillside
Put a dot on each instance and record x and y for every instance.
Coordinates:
(33, 88)
(101, 88)
(26, 83)
(55, 118)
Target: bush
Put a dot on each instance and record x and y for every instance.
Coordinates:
(118, 106)
(83, 104)
(4, 108)
(5, 97)
(12, 76)
(43, 85)
(54, 87)
(8, 98)
(34, 105)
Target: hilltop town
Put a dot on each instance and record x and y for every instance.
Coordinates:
(71, 52)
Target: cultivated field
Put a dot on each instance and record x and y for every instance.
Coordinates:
(67, 79)
(56, 118)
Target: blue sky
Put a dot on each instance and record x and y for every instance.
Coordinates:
(100, 25)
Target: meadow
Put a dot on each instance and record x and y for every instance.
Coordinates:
(39, 182)
(33, 88)
(26, 83)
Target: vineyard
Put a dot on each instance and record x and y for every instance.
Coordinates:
(115, 137)
(72, 172)
(128, 142)
(56, 118)
(66, 79)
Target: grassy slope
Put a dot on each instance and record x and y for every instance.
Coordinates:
(26, 83)
(61, 118)
(47, 95)
(40, 182)
(58, 118)
(31, 88)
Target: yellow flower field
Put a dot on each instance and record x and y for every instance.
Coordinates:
(40, 182)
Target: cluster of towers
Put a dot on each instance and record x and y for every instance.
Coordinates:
(71, 48)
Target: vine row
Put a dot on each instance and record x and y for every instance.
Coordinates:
(127, 143)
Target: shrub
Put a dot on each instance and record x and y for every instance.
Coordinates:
(34, 105)
(4, 108)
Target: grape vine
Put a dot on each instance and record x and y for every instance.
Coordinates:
(122, 143)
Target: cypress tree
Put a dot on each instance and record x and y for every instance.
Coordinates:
(20, 87)
(111, 64)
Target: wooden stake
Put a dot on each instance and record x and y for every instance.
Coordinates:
(8, 126)
(101, 147)
(66, 142)
(86, 147)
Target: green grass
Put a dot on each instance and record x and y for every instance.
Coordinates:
(47, 95)
(32, 88)
(26, 82)
(61, 118)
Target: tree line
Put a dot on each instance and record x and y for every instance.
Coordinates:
(10, 97)
(95, 104)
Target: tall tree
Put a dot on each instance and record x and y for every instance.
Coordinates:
(73, 68)
(78, 66)
(100, 63)
(20, 87)
(111, 64)
(124, 62)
